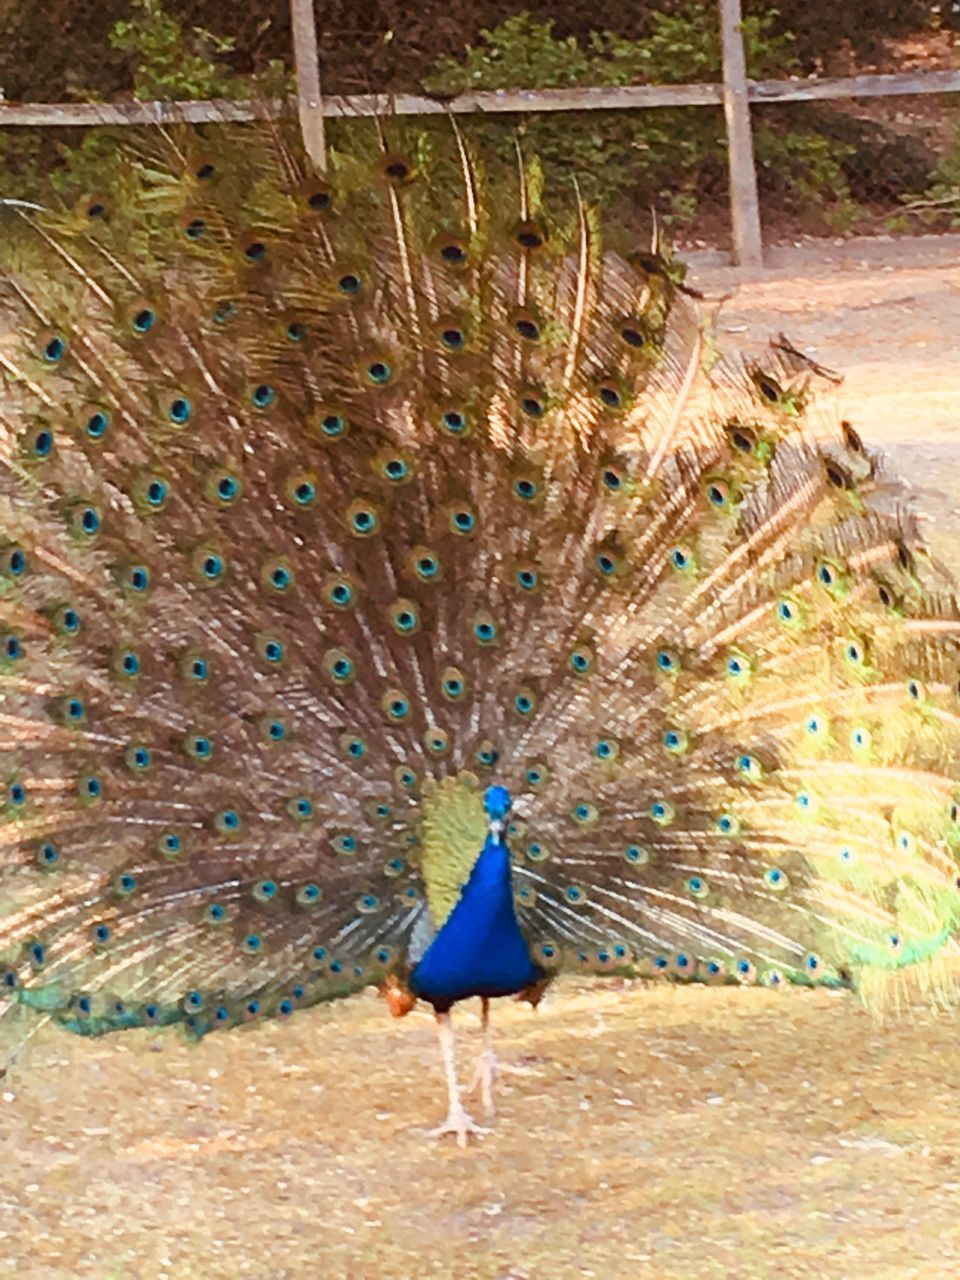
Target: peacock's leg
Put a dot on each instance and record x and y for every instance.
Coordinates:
(489, 1067)
(457, 1120)
(486, 1070)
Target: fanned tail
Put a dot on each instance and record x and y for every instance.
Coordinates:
(324, 503)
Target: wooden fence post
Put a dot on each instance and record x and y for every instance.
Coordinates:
(744, 204)
(306, 60)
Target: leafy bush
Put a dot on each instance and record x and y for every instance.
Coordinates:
(672, 158)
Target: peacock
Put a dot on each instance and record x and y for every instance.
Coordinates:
(398, 589)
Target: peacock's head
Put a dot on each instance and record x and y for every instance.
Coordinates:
(496, 802)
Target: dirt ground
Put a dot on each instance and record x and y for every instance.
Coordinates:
(662, 1134)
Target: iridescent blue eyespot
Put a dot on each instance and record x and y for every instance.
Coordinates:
(97, 424)
(143, 320)
(42, 444)
(454, 422)
(179, 410)
(55, 349)
(333, 425)
(263, 396)
(89, 521)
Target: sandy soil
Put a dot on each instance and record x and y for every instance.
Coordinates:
(664, 1134)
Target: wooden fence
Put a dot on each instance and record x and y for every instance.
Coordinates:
(735, 94)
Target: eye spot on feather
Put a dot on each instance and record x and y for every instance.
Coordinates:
(13, 649)
(227, 822)
(487, 756)
(525, 701)
(744, 971)
(609, 394)
(727, 824)
(180, 410)
(537, 851)
(453, 684)
(87, 521)
(789, 614)
(54, 349)
(138, 758)
(484, 630)
(636, 855)
(265, 890)
(339, 592)
(363, 519)
(527, 578)
(453, 253)
(212, 566)
(97, 424)
(277, 576)
(575, 895)
(462, 520)
(395, 706)
(352, 746)
(906, 843)
(405, 778)
(743, 439)
(749, 767)
(272, 650)
(585, 814)
(339, 666)
(675, 742)
(526, 489)
(916, 692)
(776, 879)
(379, 372)
(582, 660)
(837, 476)
(143, 320)
(333, 425)
(527, 328)
(720, 495)
(225, 312)
(698, 887)
(13, 562)
(40, 444)
(170, 845)
(16, 795)
(454, 422)
(395, 468)
(47, 855)
(662, 812)
(215, 913)
(404, 617)
(667, 661)
(436, 741)
(632, 333)
(453, 337)
(608, 564)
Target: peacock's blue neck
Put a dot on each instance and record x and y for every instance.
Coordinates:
(479, 950)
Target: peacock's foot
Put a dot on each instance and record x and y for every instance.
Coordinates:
(461, 1124)
(488, 1070)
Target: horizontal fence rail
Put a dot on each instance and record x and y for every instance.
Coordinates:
(494, 102)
